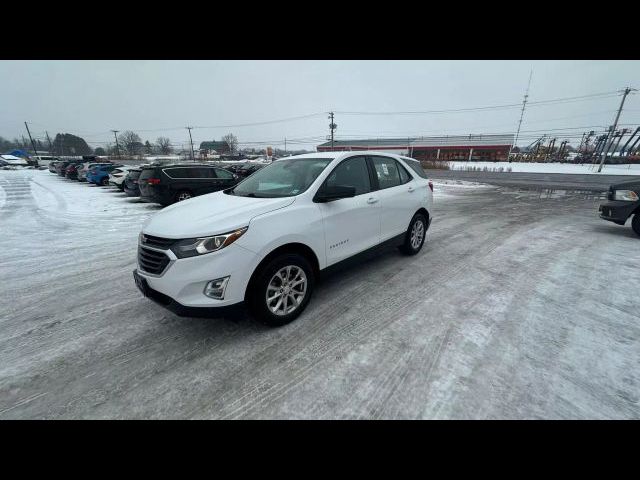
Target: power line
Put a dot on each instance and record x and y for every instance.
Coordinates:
(490, 107)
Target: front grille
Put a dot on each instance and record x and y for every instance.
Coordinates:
(157, 242)
(152, 261)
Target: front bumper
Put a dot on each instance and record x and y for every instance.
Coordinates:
(186, 311)
(183, 280)
(617, 211)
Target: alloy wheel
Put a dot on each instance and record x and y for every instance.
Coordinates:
(286, 290)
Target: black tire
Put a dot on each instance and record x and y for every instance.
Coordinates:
(257, 291)
(409, 247)
(105, 182)
(635, 223)
(183, 195)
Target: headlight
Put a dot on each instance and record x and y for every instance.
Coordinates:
(626, 195)
(192, 247)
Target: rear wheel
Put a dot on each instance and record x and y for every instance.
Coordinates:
(416, 233)
(281, 290)
(635, 223)
(183, 195)
(104, 182)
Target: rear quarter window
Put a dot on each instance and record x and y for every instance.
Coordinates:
(416, 167)
(221, 173)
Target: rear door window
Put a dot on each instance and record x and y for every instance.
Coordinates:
(180, 172)
(386, 170)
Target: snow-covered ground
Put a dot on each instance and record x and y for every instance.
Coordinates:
(520, 305)
(629, 169)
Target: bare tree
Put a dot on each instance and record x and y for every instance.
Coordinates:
(232, 141)
(164, 145)
(130, 142)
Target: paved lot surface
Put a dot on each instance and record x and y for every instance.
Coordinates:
(598, 183)
(523, 304)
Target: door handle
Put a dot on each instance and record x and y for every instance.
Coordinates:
(410, 189)
(372, 200)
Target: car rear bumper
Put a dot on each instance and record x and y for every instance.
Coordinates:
(155, 198)
(617, 211)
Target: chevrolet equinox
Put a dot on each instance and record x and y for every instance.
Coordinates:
(262, 243)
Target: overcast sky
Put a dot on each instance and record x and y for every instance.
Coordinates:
(154, 98)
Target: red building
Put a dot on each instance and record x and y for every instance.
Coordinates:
(459, 147)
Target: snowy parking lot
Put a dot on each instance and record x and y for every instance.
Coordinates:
(522, 304)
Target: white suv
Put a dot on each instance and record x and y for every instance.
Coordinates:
(263, 242)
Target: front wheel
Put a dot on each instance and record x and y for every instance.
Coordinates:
(105, 182)
(635, 223)
(281, 290)
(416, 233)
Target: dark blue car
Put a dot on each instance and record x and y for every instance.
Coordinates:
(100, 174)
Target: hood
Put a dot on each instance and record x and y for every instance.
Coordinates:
(209, 215)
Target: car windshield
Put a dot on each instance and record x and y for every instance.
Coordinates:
(283, 178)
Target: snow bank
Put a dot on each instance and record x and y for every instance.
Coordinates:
(626, 169)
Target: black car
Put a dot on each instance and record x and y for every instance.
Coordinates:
(168, 184)
(247, 169)
(130, 183)
(623, 201)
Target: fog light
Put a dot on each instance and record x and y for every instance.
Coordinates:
(215, 288)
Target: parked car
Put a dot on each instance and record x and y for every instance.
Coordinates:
(168, 184)
(100, 174)
(71, 172)
(61, 168)
(45, 160)
(131, 187)
(13, 161)
(86, 167)
(248, 169)
(623, 201)
(263, 242)
(117, 176)
(52, 165)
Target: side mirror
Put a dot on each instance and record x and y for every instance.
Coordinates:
(329, 194)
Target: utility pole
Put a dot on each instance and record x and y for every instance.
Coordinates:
(612, 130)
(35, 151)
(524, 104)
(193, 157)
(285, 146)
(50, 146)
(115, 134)
(332, 126)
